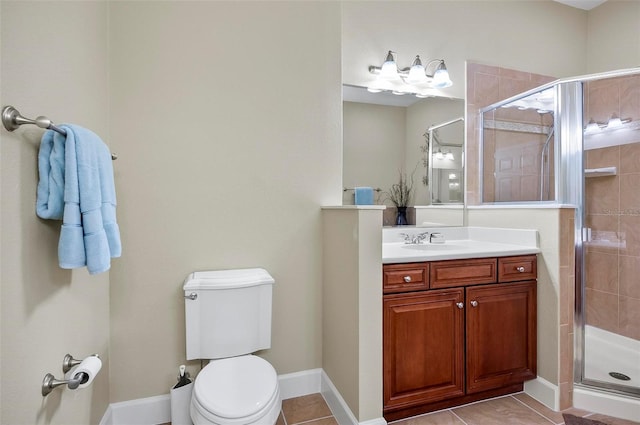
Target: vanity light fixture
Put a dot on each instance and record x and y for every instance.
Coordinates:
(613, 123)
(439, 155)
(414, 79)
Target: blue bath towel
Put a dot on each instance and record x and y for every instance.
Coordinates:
(90, 235)
(363, 195)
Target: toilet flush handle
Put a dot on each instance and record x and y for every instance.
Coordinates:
(192, 296)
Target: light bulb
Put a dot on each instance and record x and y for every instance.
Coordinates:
(389, 70)
(416, 72)
(449, 156)
(439, 155)
(441, 77)
(592, 127)
(614, 121)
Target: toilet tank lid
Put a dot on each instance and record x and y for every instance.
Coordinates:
(226, 279)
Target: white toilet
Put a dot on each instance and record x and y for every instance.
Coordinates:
(228, 317)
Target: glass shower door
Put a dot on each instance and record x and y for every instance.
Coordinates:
(611, 236)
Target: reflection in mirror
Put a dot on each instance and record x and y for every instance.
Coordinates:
(518, 150)
(445, 161)
(383, 135)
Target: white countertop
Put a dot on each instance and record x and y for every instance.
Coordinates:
(460, 243)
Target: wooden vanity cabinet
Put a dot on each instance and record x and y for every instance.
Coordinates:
(423, 347)
(450, 346)
(501, 335)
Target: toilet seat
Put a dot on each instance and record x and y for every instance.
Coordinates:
(236, 390)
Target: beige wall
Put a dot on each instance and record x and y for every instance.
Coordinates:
(225, 163)
(546, 222)
(54, 63)
(613, 39)
(352, 307)
(373, 146)
(543, 37)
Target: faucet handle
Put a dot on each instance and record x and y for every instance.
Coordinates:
(407, 237)
(436, 238)
(422, 236)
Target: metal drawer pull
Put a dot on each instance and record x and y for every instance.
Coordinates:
(407, 279)
(520, 269)
(460, 305)
(474, 303)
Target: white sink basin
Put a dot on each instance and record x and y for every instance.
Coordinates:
(431, 247)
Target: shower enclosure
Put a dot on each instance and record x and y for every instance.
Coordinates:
(577, 141)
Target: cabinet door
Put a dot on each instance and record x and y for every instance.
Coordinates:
(501, 335)
(423, 347)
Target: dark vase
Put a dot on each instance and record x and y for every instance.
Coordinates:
(401, 216)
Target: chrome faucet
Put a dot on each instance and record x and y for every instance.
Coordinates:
(414, 239)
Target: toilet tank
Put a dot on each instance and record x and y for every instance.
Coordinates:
(227, 312)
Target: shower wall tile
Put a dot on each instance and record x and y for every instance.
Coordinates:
(605, 157)
(566, 304)
(603, 227)
(486, 89)
(630, 98)
(603, 194)
(630, 194)
(603, 103)
(630, 276)
(602, 272)
(630, 231)
(602, 310)
(630, 317)
(566, 353)
(630, 158)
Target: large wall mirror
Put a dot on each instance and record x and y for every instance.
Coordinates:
(385, 135)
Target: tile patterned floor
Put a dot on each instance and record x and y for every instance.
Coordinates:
(517, 409)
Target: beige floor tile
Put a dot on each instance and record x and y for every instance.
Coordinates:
(555, 417)
(305, 408)
(325, 421)
(500, 411)
(437, 418)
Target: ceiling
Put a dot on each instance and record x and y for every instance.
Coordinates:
(582, 4)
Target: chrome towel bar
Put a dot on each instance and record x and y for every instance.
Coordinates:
(11, 120)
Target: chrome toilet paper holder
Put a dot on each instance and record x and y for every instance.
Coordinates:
(50, 382)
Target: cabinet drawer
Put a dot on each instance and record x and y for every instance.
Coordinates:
(511, 269)
(450, 273)
(405, 277)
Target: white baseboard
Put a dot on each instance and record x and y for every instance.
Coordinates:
(142, 411)
(157, 410)
(544, 391)
(338, 406)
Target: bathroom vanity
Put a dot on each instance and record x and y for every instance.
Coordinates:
(456, 330)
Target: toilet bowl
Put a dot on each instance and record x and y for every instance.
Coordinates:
(236, 390)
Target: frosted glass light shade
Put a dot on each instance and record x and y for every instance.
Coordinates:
(441, 79)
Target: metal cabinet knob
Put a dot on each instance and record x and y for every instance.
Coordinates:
(407, 279)
(520, 269)
(474, 303)
(460, 305)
